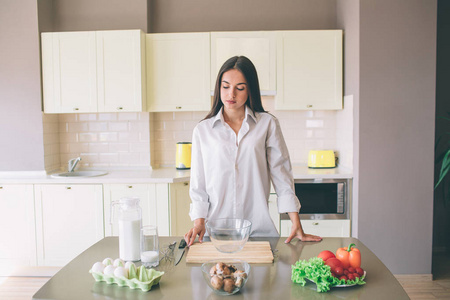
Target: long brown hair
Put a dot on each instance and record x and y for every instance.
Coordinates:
(246, 67)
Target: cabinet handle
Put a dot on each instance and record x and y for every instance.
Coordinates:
(130, 186)
(309, 106)
(178, 107)
(1, 187)
(119, 108)
(68, 188)
(315, 223)
(75, 108)
(185, 183)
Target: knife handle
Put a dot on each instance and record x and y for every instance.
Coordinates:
(182, 244)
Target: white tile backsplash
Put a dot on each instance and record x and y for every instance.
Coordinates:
(125, 140)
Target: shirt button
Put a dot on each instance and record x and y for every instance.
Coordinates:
(236, 167)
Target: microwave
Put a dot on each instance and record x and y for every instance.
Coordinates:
(322, 199)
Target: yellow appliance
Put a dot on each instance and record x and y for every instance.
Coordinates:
(321, 159)
(183, 159)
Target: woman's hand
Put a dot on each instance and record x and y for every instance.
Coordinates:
(297, 231)
(198, 229)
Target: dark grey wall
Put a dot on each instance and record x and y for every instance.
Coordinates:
(217, 15)
(21, 139)
(441, 224)
(396, 138)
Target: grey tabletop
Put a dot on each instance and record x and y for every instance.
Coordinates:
(185, 281)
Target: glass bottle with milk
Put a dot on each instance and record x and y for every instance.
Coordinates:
(130, 219)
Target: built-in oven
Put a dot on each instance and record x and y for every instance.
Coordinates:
(322, 199)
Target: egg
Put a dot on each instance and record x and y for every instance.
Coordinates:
(109, 270)
(118, 262)
(128, 264)
(121, 272)
(98, 267)
(107, 261)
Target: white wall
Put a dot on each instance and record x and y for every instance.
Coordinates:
(21, 140)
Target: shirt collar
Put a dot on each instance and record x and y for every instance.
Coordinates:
(248, 112)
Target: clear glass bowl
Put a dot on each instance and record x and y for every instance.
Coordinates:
(229, 235)
(238, 280)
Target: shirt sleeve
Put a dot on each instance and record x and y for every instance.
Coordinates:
(280, 169)
(197, 190)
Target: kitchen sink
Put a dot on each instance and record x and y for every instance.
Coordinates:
(78, 174)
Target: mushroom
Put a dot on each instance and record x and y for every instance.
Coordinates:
(228, 285)
(226, 272)
(212, 272)
(239, 276)
(216, 282)
(232, 268)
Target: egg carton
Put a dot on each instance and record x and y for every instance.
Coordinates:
(139, 278)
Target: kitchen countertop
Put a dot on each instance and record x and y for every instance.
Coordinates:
(161, 175)
(185, 281)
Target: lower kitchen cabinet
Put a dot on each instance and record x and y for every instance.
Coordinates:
(180, 202)
(69, 219)
(17, 228)
(273, 211)
(153, 202)
(323, 228)
(165, 205)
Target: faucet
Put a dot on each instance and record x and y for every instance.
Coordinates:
(73, 163)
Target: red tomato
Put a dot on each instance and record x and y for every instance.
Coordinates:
(339, 271)
(351, 270)
(326, 255)
(343, 277)
(333, 263)
(356, 275)
(359, 271)
(345, 272)
(350, 276)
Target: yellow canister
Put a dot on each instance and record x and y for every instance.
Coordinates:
(321, 159)
(183, 156)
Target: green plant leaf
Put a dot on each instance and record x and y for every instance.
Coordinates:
(444, 169)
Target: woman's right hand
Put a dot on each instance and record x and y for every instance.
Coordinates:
(198, 229)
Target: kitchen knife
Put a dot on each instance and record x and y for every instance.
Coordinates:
(180, 252)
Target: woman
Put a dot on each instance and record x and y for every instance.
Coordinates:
(236, 151)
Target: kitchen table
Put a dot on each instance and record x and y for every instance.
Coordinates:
(185, 281)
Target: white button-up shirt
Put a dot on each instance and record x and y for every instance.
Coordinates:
(230, 175)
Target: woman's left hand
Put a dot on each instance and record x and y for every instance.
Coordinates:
(297, 231)
(304, 237)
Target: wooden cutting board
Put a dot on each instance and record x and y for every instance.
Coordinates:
(253, 252)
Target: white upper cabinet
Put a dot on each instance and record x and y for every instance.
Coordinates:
(178, 72)
(98, 71)
(121, 71)
(309, 70)
(258, 46)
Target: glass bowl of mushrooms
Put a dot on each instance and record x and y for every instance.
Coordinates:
(226, 277)
(229, 235)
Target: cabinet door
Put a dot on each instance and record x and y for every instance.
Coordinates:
(121, 70)
(180, 221)
(69, 72)
(273, 210)
(323, 228)
(69, 219)
(17, 228)
(309, 70)
(154, 199)
(178, 72)
(258, 46)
